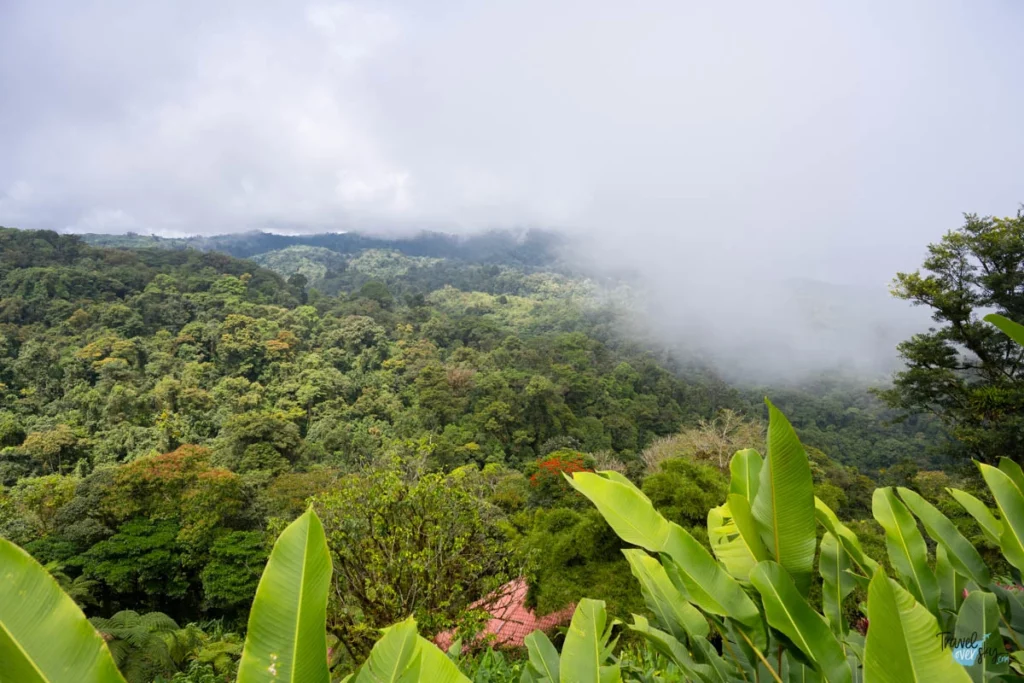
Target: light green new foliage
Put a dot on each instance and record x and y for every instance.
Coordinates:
(1010, 502)
(286, 638)
(978, 619)
(734, 537)
(44, 637)
(990, 526)
(962, 554)
(788, 612)
(903, 643)
(907, 549)
(784, 503)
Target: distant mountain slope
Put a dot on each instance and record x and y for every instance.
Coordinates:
(331, 272)
(535, 248)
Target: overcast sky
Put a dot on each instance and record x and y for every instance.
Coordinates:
(823, 139)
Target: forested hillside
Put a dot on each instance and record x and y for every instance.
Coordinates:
(167, 411)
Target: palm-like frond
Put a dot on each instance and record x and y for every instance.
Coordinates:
(141, 644)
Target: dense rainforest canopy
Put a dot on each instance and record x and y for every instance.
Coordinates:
(167, 411)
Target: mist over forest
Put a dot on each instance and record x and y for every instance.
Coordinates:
(352, 341)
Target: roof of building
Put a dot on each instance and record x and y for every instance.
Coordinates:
(511, 620)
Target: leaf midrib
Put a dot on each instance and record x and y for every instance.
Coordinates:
(298, 607)
(806, 648)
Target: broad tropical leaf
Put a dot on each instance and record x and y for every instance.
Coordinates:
(990, 526)
(951, 586)
(1013, 471)
(978, 620)
(622, 479)
(44, 637)
(626, 509)
(734, 537)
(904, 640)
(393, 657)
(789, 613)
(1014, 331)
(784, 504)
(674, 613)
(1010, 502)
(543, 657)
(745, 468)
(435, 666)
(834, 565)
(691, 567)
(402, 656)
(587, 649)
(286, 639)
(851, 544)
(962, 554)
(907, 549)
(706, 584)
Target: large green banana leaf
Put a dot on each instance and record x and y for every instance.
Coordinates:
(1013, 471)
(951, 586)
(393, 657)
(734, 537)
(286, 639)
(435, 666)
(962, 554)
(789, 613)
(44, 637)
(543, 658)
(978, 620)
(745, 470)
(851, 544)
(588, 647)
(690, 566)
(1010, 502)
(784, 504)
(904, 642)
(402, 656)
(674, 612)
(990, 526)
(907, 549)
(837, 582)
(707, 585)
(1012, 330)
(622, 479)
(626, 509)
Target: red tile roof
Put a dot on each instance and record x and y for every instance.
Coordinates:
(511, 620)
